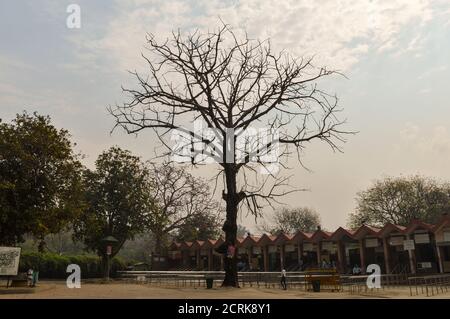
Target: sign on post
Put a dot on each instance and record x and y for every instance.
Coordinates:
(408, 244)
(9, 261)
(371, 242)
(422, 238)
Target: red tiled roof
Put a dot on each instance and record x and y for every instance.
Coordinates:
(417, 223)
(389, 227)
(320, 233)
(374, 229)
(254, 239)
(282, 237)
(269, 238)
(341, 232)
(325, 235)
(443, 221)
(302, 235)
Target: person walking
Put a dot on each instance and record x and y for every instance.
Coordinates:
(283, 279)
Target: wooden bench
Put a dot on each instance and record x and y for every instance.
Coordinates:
(328, 278)
(21, 280)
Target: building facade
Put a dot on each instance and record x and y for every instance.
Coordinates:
(417, 248)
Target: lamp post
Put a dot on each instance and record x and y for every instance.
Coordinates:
(108, 241)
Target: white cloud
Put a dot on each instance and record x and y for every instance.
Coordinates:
(432, 71)
(337, 32)
(12, 63)
(409, 132)
(435, 141)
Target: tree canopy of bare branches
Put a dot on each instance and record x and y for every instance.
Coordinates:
(177, 199)
(291, 220)
(233, 84)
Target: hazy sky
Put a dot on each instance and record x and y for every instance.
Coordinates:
(395, 54)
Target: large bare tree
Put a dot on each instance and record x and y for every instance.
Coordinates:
(235, 85)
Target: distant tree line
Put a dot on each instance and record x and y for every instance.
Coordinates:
(398, 200)
(291, 220)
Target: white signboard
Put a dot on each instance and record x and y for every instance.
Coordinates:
(327, 245)
(447, 236)
(425, 265)
(9, 261)
(289, 248)
(396, 241)
(349, 246)
(308, 247)
(422, 238)
(257, 250)
(272, 249)
(408, 244)
(371, 242)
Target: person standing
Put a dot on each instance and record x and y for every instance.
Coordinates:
(30, 277)
(35, 278)
(356, 270)
(283, 279)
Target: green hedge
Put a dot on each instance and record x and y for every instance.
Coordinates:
(53, 266)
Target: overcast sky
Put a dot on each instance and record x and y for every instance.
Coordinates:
(395, 54)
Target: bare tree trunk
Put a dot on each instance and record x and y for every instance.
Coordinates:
(230, 225)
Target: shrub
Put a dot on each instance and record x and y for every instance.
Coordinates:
(53, 266)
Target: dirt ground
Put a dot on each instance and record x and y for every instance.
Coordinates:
(58, 289)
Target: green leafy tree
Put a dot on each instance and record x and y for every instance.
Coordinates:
(40, 179)
(117, 194)
(399, 200)
(61, 243)
(292, 220)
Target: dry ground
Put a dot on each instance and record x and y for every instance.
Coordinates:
(58, 289)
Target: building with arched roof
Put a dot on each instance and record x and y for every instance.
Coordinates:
(418, 247)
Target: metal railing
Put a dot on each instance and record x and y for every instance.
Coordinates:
(358, 284)
(429, 285)
(197, 278)
(426, 285)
